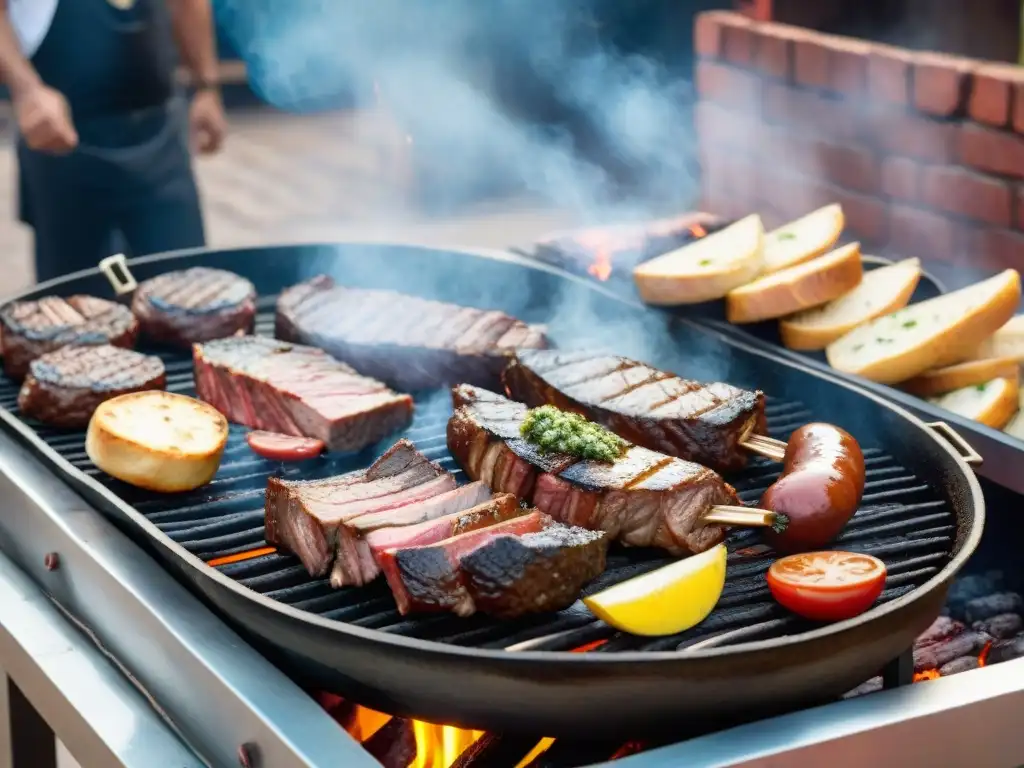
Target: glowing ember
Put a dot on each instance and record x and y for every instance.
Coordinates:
(601, 268)
(928, 674)
(542, 746)
(240, 556)
(698, 231)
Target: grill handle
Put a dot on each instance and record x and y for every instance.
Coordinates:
(951, 436)
(115, 268)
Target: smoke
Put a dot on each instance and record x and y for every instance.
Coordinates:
(453, 74)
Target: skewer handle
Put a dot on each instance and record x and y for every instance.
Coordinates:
(746, 517)
(768, 447)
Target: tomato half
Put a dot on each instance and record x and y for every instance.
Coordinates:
(827, 586)
(277, 447)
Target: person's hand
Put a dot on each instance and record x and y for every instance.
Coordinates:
(207, 122)
(44, 120)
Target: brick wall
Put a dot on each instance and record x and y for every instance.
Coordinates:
(924, 151)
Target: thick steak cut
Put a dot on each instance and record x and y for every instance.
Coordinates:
(65, 386)
(33, 328)
(197, 304)
(408, 342)
(643, 499)
(295, 390)
(658, 410)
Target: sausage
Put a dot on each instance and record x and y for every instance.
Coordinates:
(275, 447)
(819, 490)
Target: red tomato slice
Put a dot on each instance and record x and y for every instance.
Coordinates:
(277, 447)
(827, 586)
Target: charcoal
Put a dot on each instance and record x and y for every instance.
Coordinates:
(935, 655)
(868, 686)
(941, 629)
(394, 745)
(963, 664)
(971, 587)
(982, 608)
(1002, 626)
(1005, 650)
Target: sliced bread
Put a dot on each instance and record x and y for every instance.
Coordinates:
(806, 285)
(992, 403)
(1008, 341)
(706, 269)
(880, 292)
(930, 334)
(803, 239)
(1015, 427)
(969, 374)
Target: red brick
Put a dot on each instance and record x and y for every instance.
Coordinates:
(848, 65)
(811, 112)
(899, 133)
(1018, 107)
(901, 178)
(994, 249)
(719, 126)
(991, 151)
(966, 193)
(810, 60)
(992, 94)
(866, 217)
(916, 232)
(773, 52)
(738, 40)
(889, 74)
(850, 167)
(941, 83)
(727, 85)
(1018, 204)
(728, 184)
(788, 196)
(707, 33)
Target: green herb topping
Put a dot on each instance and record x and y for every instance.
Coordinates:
(981, 387)
(910, 324)
(555, 431)
(786, 236)
(704, 262)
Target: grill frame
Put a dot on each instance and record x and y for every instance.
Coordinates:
(264, 619)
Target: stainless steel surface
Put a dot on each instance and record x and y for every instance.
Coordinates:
(218, 691)
(103, 719)
(971, 719)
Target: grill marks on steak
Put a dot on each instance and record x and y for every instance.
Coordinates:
(296, 390)
(643, 498)
(33, 328)
(65, 386)
(408, 342)
(658, 410)
(197, 304)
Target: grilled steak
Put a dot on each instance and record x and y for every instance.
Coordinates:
(642, 499)
(197, 304)
(408, 342)
(33, 328)
(294, 390)
(65, 386)
(430, 579)
(699, 422)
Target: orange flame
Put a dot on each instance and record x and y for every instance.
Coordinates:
(698, 231)
(240, 556)
(439, 746)
(928, 674)
(601, 267)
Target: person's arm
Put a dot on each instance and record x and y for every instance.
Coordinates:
(44, 118)
(193, 30)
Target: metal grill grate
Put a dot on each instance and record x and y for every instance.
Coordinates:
(901, 520)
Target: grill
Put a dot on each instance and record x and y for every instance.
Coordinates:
(921, 514)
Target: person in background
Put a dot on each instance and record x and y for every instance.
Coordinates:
(104, 134)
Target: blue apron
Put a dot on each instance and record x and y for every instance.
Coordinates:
(131, 175)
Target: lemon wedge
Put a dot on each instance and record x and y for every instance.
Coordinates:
(666, 601)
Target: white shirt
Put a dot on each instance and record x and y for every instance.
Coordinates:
(31, 20)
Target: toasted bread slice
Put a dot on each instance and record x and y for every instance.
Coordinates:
(706, 269)
(806, 285)
(1008, 341)
(969, 374)
(930, 334)
(1015, 426)
(992, 403)
(803, 239)
(880, 292)
(157, 440)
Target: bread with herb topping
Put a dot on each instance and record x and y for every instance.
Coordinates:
(880, 292)
(804, 239)
(806, 285)
(706, 269)
(931, 334)
(1008, 341)
(940, 380)
(992, 403)
(1015, 427)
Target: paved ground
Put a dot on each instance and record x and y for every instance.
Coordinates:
(284, 178)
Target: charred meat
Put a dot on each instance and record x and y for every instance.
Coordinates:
(642, 499)
(295, 390)
(197, 304)
(521, 566)
(658, 410)
(408, 342)
(33, 328)
(65, 386)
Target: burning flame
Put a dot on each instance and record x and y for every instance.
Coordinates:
(439, 746)
(601, 267)
(240, 556)
(934, 674)
(698, 231)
